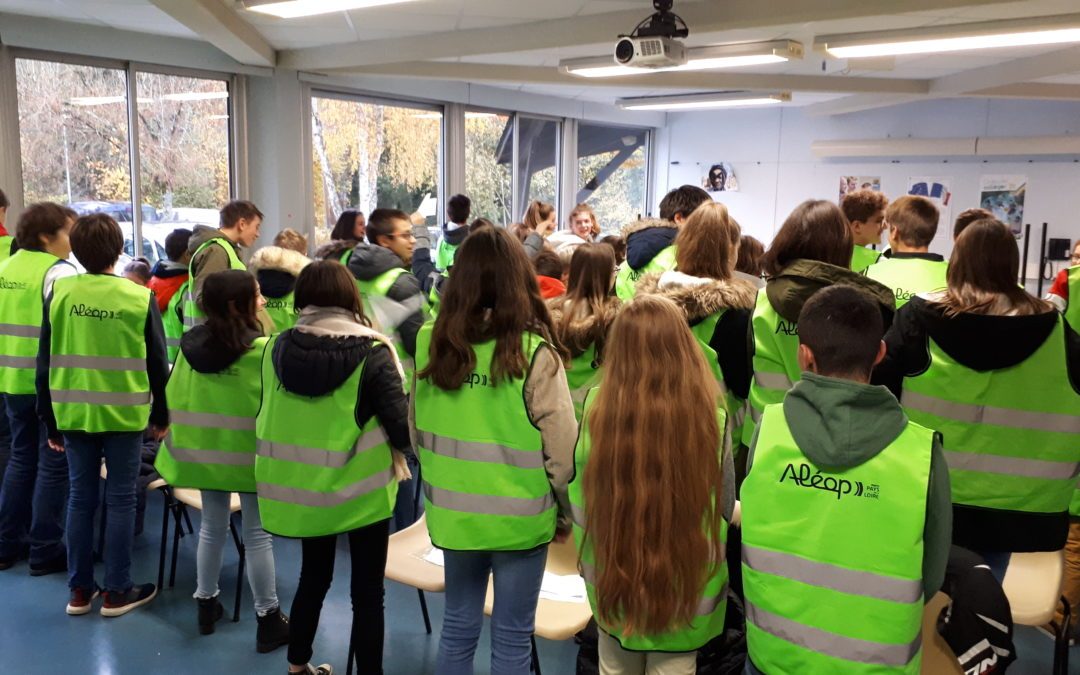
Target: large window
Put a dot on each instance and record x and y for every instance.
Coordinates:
(76, 130)
(538, 161)
(613, 173)
(369, 154)
(488, 181)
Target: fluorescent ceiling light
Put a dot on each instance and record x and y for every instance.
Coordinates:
(697, 58)
(291, 9)
(738, 99)
(1047, 30)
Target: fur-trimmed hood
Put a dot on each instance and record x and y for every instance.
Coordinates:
(581, 332)
(699, 297)
(278, 259)
(646, 223)
(335, 249)
(646, 238)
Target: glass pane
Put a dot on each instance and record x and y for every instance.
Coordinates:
(538, 158)
(612, 173)
(73, 131)
(489, 139)
(368, 155)
(183, 154)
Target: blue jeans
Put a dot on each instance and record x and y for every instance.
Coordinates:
(406, 510)
(84, 453)
(5, 440)
(517, 576)
(35, 488)
(258, 549)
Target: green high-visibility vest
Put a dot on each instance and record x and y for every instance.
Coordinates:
(583, 375)
(193, 314)
(627, 278)
(862, 258)
(22, 283)
(434, 298)
(485, 486)
(211, 441)
(1072, 311)
(832, 557)
(776, 361)
(1010, 434)
(1074, 505)
(380, 286)
(6, 242)
(709, 621)
(734, 406)
(444, 255)
(907, 277)
(316, 472)
(97, 367)
(173, 322)
(282, 311)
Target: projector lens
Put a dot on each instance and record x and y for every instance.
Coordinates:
(624, 51)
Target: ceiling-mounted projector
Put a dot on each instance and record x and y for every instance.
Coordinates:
(655, 42)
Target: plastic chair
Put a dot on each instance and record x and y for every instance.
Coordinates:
(1033, 586)
(184, 498)
(938, 658)
(555, 620)
(405, 566)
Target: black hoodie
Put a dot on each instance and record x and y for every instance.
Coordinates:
(207, 354)
(313, 366)
(981, 343)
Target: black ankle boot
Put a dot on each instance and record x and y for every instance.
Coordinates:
(273, 631)
(210, 611)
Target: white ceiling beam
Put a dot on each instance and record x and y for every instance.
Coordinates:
(1033, 90)
(704, 16)
(701, 80)
(858, 103)
(1025, 90)
(1057, 62)
(222, 27)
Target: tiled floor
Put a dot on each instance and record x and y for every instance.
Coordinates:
(36, 636)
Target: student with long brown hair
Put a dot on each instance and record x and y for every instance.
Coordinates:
(997, 372)
(648, 495)
(582, 317)
(495, 430)
(717, 305)
(812, 250)
(748, 266)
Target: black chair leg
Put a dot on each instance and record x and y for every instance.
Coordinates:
(535, 656)
(240, 552)
(187, 519)
(423, 609)
(1061, 639)
(165, 500)
(352, 647)
(177, 533)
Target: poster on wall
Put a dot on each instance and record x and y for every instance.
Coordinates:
(937, 189)
(720, 178)
(1004, 197)
(853, 183)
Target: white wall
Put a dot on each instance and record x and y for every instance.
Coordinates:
(770, 152)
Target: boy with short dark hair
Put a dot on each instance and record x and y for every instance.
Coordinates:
(839, 459)
(967, 217)
(910, 267)
(101, 375)
(865, 211)
(549, 274)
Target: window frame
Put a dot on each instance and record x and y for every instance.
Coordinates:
(236, 127)
(650, 138)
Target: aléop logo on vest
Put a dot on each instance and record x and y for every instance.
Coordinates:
(479, 380)
(903, 295)
(787, 328)
(805, 476)
(9, 285)
(87, 312)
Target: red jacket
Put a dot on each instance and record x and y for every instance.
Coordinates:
(550, 287)
(165, 288)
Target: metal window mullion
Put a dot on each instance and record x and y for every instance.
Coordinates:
(134, 161)
(239, 178)
(517, 199)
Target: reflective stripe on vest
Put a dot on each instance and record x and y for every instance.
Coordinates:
(317, 473)
(775, 362)
(484, 476)
(1072, 310)
(862, 258)
(834, 602)
(907, 277)
(1010, 435)
(193, 314)
(712, 608)
(211, 441)
(627, 278)
(22, 282)
(97, 366)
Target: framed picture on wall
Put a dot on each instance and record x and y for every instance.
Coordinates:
(720, 178)
(850, 184)
(1004, 196)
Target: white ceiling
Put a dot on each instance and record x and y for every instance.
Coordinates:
(402, 27)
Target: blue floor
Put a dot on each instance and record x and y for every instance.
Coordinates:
(36, 636)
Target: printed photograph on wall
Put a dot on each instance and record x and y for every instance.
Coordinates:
(853, 183)
(1004, 197)
(937, 189)
(720, 178)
